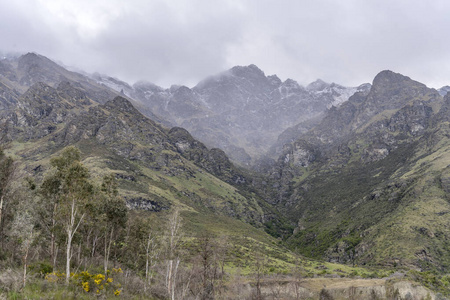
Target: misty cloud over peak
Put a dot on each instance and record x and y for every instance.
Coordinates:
(184, 41)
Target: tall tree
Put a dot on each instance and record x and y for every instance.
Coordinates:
(50, 193)
(6, 175)
(173, 258)
(23, 229)
(72, 191)
(115, 211)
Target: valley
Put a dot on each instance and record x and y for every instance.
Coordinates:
(242, 185)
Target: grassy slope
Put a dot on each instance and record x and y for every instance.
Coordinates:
(202, 198)
(391, 211)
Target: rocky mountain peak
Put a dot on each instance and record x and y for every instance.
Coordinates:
(388, 79)
(317, 85)
(392, 91)
(34, 68)
(249, 78)
(291, 83)
(241, 110)
(182, 91)
(274, 80)
(29, 57)
(251, 71)
(30, 60)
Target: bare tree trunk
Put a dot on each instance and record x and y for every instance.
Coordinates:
(1, 223)
(52, 238)
(169, 277)
(94, 243)
(172, 270)
(147, 250)
(53, 250)
(68, 253)
(107, 250)
(71, 229)
(88, 238)
(55, 259)
(175, 271)
(25, 261)
(1, 208)
(151, 256)
(172, 267)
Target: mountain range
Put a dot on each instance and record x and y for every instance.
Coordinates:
(46, 118)
(241, 111)
(347, 175)
(369, 183)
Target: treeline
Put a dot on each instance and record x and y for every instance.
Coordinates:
(78, 235)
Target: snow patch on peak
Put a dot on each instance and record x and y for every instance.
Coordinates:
(337, 92)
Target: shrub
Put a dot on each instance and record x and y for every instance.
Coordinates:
(42, 268)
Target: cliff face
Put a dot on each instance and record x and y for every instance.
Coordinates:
(368, 168)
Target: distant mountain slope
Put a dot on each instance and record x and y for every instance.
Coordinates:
(115, 136)
(241, 111)
(21, 73)
(367, 185)
(62, 108)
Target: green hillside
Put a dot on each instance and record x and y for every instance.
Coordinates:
(375, 194)
(99, 201)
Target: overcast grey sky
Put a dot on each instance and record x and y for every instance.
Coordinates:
(181, 42)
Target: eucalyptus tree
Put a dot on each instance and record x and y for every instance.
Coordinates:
(71, 191)
(23, 228)
(6, 176)
(115, 212)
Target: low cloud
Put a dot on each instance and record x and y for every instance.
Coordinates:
(181, 42)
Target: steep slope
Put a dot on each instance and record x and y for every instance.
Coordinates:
(8, 97)
(18, 74)
(65, 111)
(241, 111)
(23, 72)
(363, 183)
(116, 136)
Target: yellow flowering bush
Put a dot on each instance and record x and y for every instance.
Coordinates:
(85, 286)
(55, 277)
(98, 279)
(90, 282)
